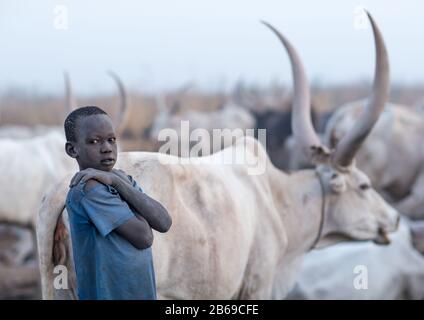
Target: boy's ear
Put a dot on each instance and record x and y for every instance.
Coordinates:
(70, 150)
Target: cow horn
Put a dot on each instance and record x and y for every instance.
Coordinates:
(70, 103)
(123, 110)
(303, 130)
(350, 143)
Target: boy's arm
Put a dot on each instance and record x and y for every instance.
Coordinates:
(149, 209)
(135, 230)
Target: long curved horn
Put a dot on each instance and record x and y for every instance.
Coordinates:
(70, 102)
(303, 130)
(350, 143)
(123, 109)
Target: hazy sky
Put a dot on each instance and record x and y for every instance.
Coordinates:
(162, 44)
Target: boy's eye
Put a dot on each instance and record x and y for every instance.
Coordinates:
(112, 139)
(94, 141)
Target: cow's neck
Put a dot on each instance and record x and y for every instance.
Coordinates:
(298, 198)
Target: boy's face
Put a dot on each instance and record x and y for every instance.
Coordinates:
(96, 143)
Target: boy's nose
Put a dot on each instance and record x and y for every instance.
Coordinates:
(106, 148)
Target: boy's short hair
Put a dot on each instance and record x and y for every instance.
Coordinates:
(71, 120)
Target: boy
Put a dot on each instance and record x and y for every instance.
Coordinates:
(109, 215)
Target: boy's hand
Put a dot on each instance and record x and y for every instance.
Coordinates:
(104, 177)
(121, 174)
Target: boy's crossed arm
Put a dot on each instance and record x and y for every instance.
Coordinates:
(148, 212)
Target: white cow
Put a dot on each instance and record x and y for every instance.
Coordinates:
(237, 232)
(24, 132)
(30, 167)
(232, 119)
(363, 271)
(392, 156)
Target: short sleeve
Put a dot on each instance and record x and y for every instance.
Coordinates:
(134, 183)
(105, 209)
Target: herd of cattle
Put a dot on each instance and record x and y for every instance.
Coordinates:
(339, 191)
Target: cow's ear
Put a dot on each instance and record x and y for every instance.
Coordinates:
(337, 183)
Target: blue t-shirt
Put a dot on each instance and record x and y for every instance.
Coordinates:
(107, 265)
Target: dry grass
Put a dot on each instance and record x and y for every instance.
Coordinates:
(23, 108)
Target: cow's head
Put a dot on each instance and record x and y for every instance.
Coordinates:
(352, 209)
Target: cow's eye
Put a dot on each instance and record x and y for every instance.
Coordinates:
(364, 186)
